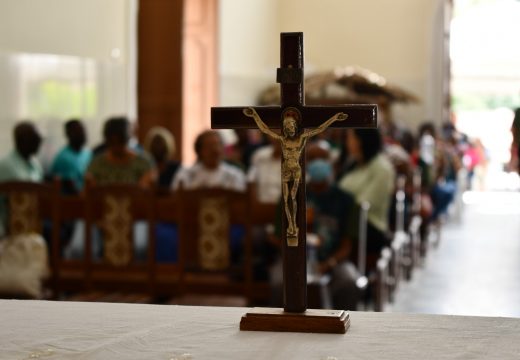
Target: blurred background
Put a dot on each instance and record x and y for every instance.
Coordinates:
(445, 75)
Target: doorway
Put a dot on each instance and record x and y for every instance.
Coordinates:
(485, 86)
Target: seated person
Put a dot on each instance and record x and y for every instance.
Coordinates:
(240, 152)
(133, 143)
(118, 164)
(445, 186)
(370, 177)
(21, 164)
(439, 166)
(160, 143)
(427, 155)
(69, 166)
(23, 259)
(210, 171)
(72, 161)
(333, 220)
(515, 131)
(266, 172)
(265, 175)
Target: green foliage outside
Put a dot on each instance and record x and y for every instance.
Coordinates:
(61, 99)
(473, 102)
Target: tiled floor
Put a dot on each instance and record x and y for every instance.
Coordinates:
(476, 268)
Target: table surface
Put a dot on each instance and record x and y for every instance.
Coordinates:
(75, 330)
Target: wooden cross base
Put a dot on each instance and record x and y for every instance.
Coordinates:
(311, 321)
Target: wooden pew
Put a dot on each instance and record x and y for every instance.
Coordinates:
(263, 215)
(28, 205)
(363, 282)
(69, 274)
(206, 267)
(96, 279)
(72, 275)
(114, 209)
(381, 289)
(399, 258)
(167, 207)
(414, 227)
(403, 253)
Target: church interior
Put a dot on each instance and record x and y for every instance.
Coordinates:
(147, 158)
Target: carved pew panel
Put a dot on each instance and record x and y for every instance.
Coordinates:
(113, 210)
(205, 218)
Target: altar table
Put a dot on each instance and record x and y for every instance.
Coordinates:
(74, 330)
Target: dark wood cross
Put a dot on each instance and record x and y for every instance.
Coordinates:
(291, 77)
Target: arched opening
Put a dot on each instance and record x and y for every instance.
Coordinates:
(486, 83)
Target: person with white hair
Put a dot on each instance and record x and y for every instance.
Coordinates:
(160, 143)
(210, 170)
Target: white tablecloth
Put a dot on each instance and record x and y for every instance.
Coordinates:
(66, 330)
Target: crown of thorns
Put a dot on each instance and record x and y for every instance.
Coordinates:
(291, 113)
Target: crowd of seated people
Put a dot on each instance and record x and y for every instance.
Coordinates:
(345, 168)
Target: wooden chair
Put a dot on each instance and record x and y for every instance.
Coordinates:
(28, 205)
(69, 274)
(362, 283)
(397, 259)
(414, 227)
(426, 227)
(166, 214)
(206, 264)
(400, 260)
(381, 284)
(262, 215)
(114, 210)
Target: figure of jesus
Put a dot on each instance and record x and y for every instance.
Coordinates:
(293, 142)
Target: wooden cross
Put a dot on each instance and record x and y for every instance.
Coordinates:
(290, 76)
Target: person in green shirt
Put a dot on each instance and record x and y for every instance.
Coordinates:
(21, 163)
(119, 164)
(370, 177)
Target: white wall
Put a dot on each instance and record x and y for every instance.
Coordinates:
(249, 49)
(391, 37)
(86, 31)
(85, 28)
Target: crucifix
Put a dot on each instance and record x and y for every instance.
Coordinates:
(298, 123)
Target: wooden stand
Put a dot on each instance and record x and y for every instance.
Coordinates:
(310, 321)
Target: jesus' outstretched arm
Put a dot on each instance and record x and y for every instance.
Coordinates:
(259, 122)
(338, 117)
